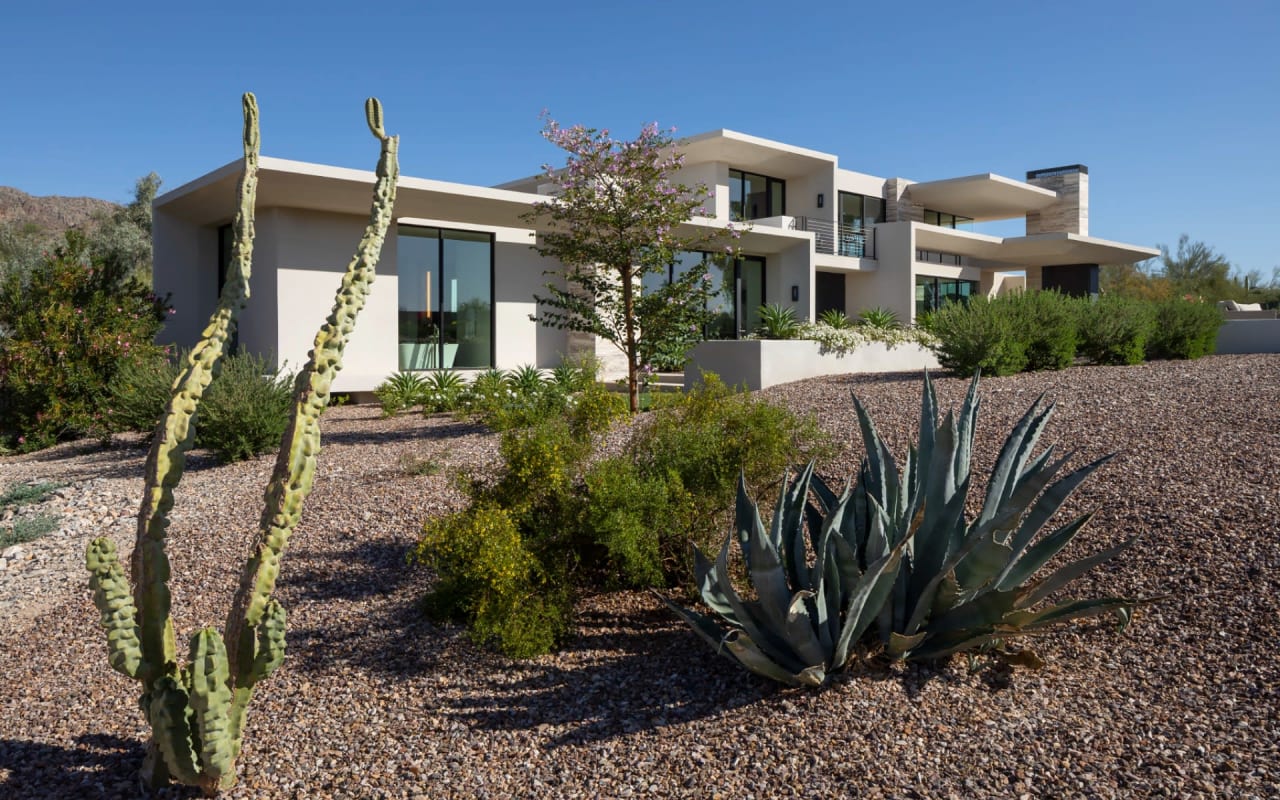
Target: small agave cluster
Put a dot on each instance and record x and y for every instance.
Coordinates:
(197, 710)
(892, 560)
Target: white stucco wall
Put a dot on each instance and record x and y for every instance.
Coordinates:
(891, 285)
(184, 267)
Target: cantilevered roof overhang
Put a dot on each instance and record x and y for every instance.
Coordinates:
(982, 197)
(1039, 250)
(296, 184)
(753, 154)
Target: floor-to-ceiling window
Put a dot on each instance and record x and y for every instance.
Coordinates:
(945, 220)
(858, 212)
(446, 298)
(933, 293)
(737, 291)
(753, 196)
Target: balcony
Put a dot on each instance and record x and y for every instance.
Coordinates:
(839, 240)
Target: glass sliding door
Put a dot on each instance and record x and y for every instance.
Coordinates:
(446, 298)
(736, 296)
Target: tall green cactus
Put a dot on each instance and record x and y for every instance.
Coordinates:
(197, 710)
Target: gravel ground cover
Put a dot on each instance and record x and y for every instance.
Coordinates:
(373, 701)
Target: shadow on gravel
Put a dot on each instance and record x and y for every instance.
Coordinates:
(449, 430)
(365, 569)
(99, 766)
(656, 675)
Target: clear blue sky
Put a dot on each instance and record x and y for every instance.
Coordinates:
(1174, 106)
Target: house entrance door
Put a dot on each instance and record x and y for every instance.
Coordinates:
(829, 292)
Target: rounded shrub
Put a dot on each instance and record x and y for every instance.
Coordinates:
(1046, 322)
(246, 408)
(981, 334)
(1114, 329)
(1184, 329)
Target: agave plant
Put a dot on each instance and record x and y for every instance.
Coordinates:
(526, 380)
(778, 322)
(400, 391)
(880, 318)
(809, 613)
(835, 318)
(957, 586)
(443, 391)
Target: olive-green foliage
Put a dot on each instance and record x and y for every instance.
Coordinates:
(246, 409)
(444, 391)
(979, 335)
(1046, 322)
(243, 413)
(620, 521)
(703, 442)
(894, 557)
(489, 580)
(1114, 329)
(1184, 329)
(27, 529)
(67, 326)
(21, 494)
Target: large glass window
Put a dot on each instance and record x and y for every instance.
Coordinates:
(754, 196)
(446, 298)
(737, 291)
(858, 212)
(933, 293)
(945, 220)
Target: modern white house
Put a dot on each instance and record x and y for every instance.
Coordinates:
(457, 277)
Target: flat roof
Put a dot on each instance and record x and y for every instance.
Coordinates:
(986, 196)
(1040, 250)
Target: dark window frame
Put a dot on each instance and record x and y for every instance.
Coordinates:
(493, 305)
(770, 182)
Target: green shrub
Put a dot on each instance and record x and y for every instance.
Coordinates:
(978, 335)
(1114, 329)
(1046, 322)
(626, 514)
(1184, 329)
(27, 529)
(246, 409)
(489, 580)
(67, 325)
(835, 318)
(878, 317)
(593, 409)
(444, 391)
(21, 494)
(709, 437)
(401, 391)
(139, 391)
(778, 322)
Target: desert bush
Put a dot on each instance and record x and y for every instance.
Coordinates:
(1184, 329)
(1047, 324)
(981, 334)
(246, 408)
(445, 390)
(138, 392)
(1114, 329)
(778, 322)
(67, 326)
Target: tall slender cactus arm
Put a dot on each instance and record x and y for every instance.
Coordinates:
(176, 431)
(115, 604)
(295, 467)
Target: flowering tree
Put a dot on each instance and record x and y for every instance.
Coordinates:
(615, 217)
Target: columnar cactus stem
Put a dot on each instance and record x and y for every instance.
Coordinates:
(197, 711)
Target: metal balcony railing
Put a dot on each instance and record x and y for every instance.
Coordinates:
(840, 240)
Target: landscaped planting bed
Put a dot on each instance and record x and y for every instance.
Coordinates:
(373, 701)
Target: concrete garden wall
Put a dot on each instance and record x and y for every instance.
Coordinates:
(1239, 336)
(761, 363)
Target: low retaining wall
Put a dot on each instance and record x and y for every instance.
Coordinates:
(761, 363)
(1240, 336)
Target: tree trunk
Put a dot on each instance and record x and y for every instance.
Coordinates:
(629, 308)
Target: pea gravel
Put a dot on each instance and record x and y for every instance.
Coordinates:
(375, 702)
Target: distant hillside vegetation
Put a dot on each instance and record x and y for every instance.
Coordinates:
(52, 214)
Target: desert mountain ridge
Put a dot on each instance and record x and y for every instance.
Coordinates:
(52, 213)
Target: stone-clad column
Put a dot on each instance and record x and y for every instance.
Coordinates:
(1070, 214)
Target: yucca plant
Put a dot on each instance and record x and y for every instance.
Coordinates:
(569, 378)
(879, 318)
(443, 391)
(958, 586)
(400, 391)
(778, 322)
(526, 380)
(835, 318)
